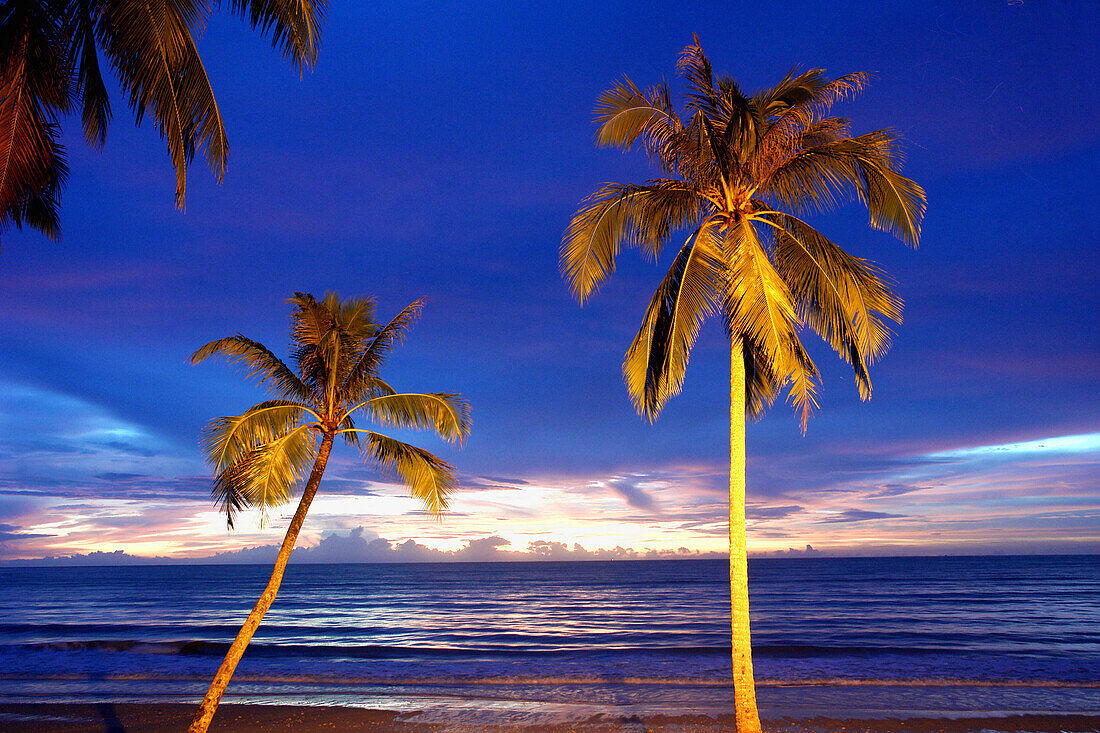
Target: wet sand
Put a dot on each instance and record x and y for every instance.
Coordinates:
(231, 718)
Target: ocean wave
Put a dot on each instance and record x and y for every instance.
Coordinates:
(499, 651)
(562, 680)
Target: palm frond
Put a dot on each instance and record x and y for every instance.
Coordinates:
(761, 386)
(817, 178)
(34, 88)
(227, 440)
(95, 103)
(260, 362)
(801, 376)
(151, 48)
(623, 215)
(347, 429)
(793, 89)
(446, 413)
(758, 305)
(429, 478)
(656, 361)
(268, 473)
(800, 99)
(311, 323)
(353, 318)
(864, 167)
(294, 25)
(698, 73)
(781, 143)
(838, 295)
(625, 113)
(360, 378)
(228, 491)
(757, 302)
(896, 203)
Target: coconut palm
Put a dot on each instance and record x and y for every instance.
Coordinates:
(739, 174)
(50, 65)
(259, 456)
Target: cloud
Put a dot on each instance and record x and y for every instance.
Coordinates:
(888, 490)
(771, 512)
(857, 515)
(359, 546)
(1086, 443)
(120, 477)
(793, 552)
(630, 488)
(490, 483)
(130, 449)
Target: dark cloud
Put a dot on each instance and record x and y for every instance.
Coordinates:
(887, 490)
(116, 477)
(858, 515)
(487, 483)
(12, 533)
(119, 446)
(771, 512)
(635, 495)
(809, 551)
(132, 487)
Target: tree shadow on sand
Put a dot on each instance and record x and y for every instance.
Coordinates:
(111, 722)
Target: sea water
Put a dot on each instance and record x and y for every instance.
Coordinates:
(849, 636)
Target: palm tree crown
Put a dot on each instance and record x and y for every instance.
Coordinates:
(50, 66)
(739, 173)
(338, 348)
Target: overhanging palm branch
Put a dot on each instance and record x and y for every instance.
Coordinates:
(50, 59)
(33, 93)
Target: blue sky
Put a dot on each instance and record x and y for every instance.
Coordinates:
(441, 154)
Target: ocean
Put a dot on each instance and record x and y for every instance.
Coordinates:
(847, 636)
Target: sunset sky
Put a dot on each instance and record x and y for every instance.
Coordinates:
(438, 152)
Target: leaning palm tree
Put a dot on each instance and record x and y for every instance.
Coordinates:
(259, 456)
(50, 66)
(740, 172)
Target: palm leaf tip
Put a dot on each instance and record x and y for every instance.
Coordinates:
(429, 478)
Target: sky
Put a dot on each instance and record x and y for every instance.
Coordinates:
(440, 153)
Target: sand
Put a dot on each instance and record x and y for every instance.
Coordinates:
(168, 718)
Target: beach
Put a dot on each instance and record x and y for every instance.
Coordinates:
(233, 718)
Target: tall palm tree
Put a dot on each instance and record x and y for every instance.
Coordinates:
(739, 173)
(259, 456)
(50, 59)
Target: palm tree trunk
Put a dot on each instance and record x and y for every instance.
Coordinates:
(221, 680)
(744, 688)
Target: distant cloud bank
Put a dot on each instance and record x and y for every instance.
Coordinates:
(357, 547)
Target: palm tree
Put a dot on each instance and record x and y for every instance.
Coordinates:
(50, 57)
(739, 173)
(259, 456)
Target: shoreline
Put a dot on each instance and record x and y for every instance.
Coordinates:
(155, 717)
